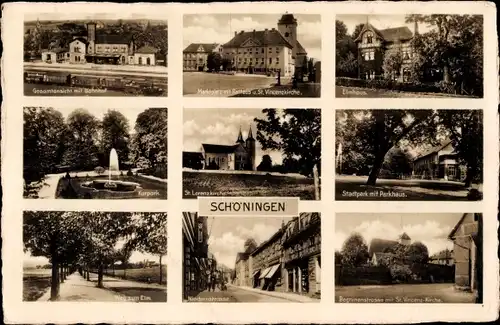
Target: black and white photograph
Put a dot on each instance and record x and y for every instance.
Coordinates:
(252, 152)
(95, 55)
(408, 258)
(413, 55)
(89, 256)
(99, 153)
(252, 259)
(252, 55)
(409, 154)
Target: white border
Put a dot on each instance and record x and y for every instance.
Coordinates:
(174, 311)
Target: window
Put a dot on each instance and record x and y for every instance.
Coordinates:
(372, 55)
(277, 61)
(277, 50)
(369, 55)
(140, 60)
(270, 60)
(406, 55)
(262, 60)
(270, 50)
(262, 50)
(148, 61)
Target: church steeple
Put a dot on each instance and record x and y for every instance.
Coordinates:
(250, 135)
(240, 137)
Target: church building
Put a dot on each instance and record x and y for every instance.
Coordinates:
(239, 156)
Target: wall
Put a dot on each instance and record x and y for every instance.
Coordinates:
(77, 52)
(111, 49)
(141, 58)
(461, 250)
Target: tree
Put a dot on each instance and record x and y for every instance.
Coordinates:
(357, 30)
(393, 61)
(338, 257)
(266, 164)
(226, 64)
(123, 255)
(43, 147)
(417, 253)
(294, 132)
(250, 245)
(115, 134)
(82, 140)
(375, 132)
(150, 139)
(354, 251)
(345, 52)
(397, 162)
(466, 135)
(214, 61)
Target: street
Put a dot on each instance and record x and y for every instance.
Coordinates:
(403, 293)
(235, 294)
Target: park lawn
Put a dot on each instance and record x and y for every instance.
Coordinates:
(401, 293)
(357, 92)
(194, 81)
(406, 190)
(146, 275)
(35, 284)
(218, 184)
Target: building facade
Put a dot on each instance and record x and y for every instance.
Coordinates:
(375, 44)
(467, 251)
(196, 265)
(240, 156)
(267, 266)
(302, 255)
(440, 162)
(196, 54)
(242, 268)
(267, 51)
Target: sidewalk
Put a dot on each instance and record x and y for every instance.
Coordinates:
(283, 295)
(76, 288)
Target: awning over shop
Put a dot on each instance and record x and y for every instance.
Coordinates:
(263, 274)
(255, 273)
(272, 271)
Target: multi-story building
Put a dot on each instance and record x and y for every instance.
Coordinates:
(196, 55)
(196, 266)
(267, 264)
(302, 255)
(269, 50)
(242, 268)
(467, 251)
(375, 44)
(439, 162)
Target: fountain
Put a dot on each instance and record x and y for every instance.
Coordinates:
(109, 184)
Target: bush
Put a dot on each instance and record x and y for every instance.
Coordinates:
(389, 85)
(400, 272)
(362, 275)
(129, 173)
(99, 170)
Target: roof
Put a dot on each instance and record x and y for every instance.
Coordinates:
(57, 50)
(217, 148)
(300, 48)
(378, 245)
(404, 236)
(433, 150)
(389, 34)
(287, 19)
(146, 49)
(378, 255)
(192, 155)
(457, 226)
(262, 37)
(81, 39)
(112, 39)
(207, 47)
(241, 257)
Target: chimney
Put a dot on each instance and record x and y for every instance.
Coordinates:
(235, 33)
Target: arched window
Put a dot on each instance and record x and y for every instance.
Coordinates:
(369, 38)
(140, 60)
(148, 61)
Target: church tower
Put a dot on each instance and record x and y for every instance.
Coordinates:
(240, 138)
(287, 26)
(91, 29)
(250, 146)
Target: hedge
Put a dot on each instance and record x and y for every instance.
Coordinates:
(362, 275)
(395, 85)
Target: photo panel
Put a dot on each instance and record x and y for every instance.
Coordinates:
(97, 54)
(409, 258)
(96, 153)
(252, 55)
(409, 154)
(90, 256)
(252, 152)
(251, 259)
(409, 56)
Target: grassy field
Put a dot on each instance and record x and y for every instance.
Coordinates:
(205, 184)
(147, 275)
(35, 283)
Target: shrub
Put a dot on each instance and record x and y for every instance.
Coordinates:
(130, 173)
(99, 170)
(400, 272)
(390, 85)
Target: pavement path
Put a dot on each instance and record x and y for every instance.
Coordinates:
(107, 69)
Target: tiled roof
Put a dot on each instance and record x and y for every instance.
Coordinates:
(389, 34)
(207, 47)
(112, 39)
(300, 49)
(287, 19)
(434, 149)
(404, 236)
(81, 39)
(217, 148)
(146, 49)
(269, 37)
(379, 245)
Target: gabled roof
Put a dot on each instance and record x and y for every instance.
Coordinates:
(287, 19)
(433, 150)
(389, 34)
(81, 39)
(378, 255)
(207, 47)
(241, 256)
(300, 49)
(112, 39)
(457, 226)
(217, 148)
(57, 50)
(269, 37)
(404, 236)
(146, 49)
(378, 245)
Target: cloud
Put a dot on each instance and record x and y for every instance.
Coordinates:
(190, 128)
(219, 129)
(260, 232)
(226, 247)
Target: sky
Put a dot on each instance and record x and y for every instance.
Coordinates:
(429, 228)
(221, 126)
(77, 15)
(228, 234)
(380, 22)
(220, 28)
